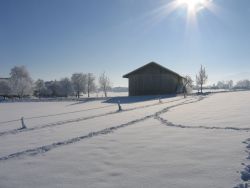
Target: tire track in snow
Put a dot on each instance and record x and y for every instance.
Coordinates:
(46, 148)
(58, 123)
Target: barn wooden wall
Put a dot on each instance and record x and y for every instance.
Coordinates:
(145, 84)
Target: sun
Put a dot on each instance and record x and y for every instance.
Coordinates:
(193, 6)
(189, 9)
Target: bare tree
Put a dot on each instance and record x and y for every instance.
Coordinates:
(201, 78)
(104, 83)
(21, 81)
(90, 83)
(187, 83)
(79, 81)
(5, 88)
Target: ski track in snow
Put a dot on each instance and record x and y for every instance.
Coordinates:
(58, 123)
(46, 148)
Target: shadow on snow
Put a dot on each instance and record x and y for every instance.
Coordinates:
(135, 99)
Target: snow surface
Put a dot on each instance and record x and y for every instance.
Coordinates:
(175, 143)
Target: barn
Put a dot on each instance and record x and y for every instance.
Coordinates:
(153, 79)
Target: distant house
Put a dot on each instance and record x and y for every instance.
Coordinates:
(4, 79)
(153, 79)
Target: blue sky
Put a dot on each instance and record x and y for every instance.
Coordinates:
(55, 38)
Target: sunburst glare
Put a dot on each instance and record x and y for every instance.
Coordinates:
(193, 7)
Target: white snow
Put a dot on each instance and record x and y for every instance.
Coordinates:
(148, 144)
(230, 109)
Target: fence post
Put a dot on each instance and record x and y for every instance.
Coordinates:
(23, 124)
(119, 106)
(160, 100)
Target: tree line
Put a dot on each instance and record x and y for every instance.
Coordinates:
(20, 84)
(201, 80)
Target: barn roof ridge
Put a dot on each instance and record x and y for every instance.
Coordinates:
(150, 63)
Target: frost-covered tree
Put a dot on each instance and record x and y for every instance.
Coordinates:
(225, 84)
(90, 83)
(62, 88)
(243, 84)
(48, 89)
(221, 85)
(57, 89)
(230, 84)
(201, 78)
(40, 88)
(187, 85)
(104, 83)
(21, 82)
(79, 81)
(5, 88)
(66, 87)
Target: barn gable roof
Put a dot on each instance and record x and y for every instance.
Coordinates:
(149, 64)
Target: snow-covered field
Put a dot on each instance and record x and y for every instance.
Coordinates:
(176, 143)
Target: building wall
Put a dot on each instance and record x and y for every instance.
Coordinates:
(156, 83)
